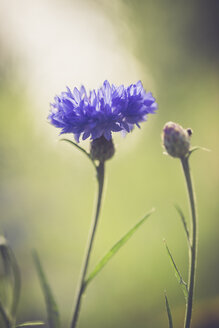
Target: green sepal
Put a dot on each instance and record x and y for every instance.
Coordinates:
(52, 308)
(115, 249)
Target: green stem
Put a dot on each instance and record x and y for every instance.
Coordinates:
(81, 286)
(193, 248)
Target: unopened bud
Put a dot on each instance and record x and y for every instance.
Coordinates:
(176, 140)
(102, 149)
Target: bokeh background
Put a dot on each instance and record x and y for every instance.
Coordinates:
(47, 188)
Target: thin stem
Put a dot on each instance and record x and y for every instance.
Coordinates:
(193, 242)
(81, 286)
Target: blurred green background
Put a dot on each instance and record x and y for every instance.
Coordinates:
(47, 188)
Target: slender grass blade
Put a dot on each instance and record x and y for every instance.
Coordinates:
(178, 274)
(115, 249)
(11, 268)
(5, 316)
(170, 320)
(182, 217)
(52, 309)
(31, 324)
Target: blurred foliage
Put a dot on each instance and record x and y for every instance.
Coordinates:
(47, 188)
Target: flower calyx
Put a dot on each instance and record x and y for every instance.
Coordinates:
(176, 140)
(102, 149)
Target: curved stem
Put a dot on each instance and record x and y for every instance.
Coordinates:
(193, 248)
(81, 286)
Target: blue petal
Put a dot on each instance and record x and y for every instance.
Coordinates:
(99, 113)
(108, 135)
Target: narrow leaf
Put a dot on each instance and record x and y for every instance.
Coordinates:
(198, 148)
(17, 284)
(170, 320)
(31, 324)
(11, 265)
(81, 149)
(52, 309)
(177, 273)
(182, 217)
(5, 255)
(5, 316)
(115, 249)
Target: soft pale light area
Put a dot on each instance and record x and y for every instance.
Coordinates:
(56, 43)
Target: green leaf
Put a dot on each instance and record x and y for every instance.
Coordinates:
(177, 273)
(31, 324)
(6, 318)
(4, 251)
(52, 309)
(115, 249)
(170, 320)
(182, 217)
(17, 284)
(11, 265)
(81, 149)
(197, 148)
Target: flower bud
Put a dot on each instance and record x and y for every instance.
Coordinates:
(102, 149)
(176, 140)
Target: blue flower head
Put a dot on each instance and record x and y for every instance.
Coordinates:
(99, 113)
